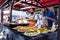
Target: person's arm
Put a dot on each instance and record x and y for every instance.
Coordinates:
(36, 24)
(50, 19)
(45, 23)
(54, 20)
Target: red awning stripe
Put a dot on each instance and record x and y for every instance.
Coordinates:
(2, 2)
(45, 1)
(51, 3)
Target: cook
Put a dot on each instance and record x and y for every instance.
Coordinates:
(32, 18)
(39, 20)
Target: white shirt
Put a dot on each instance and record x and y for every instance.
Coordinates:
(35, 16)
(40, 22)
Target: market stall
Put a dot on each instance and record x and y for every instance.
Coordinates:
(31, 34)
(22, 22)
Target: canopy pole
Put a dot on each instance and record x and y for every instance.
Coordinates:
(11, 11)
(59, 23)
(2, 15)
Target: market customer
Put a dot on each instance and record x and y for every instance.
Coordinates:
(50, 16)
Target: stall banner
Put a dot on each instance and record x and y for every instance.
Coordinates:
(2, 2)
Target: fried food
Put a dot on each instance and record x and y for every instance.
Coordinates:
(16, 27)
(32, 32)
(44, 29)
(22, 29)
(53, 29)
